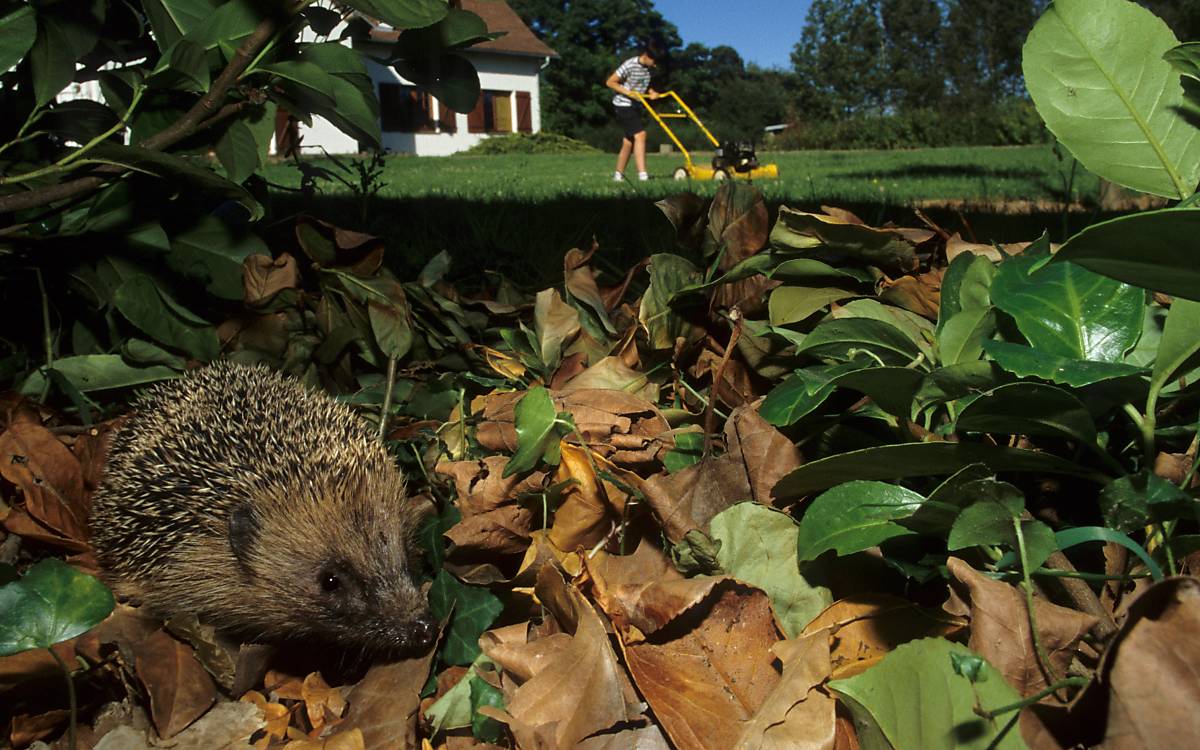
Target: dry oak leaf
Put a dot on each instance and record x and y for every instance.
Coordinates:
(481, 487)
(591, 505)
(501, 531)
(227, 726)
(264, 277)
(180, 689)
(643, 738)
(1150, 670)
(50, 478)
(864, 628)
(711, 668)
(566, 686)
(622, 427)
(756, 457)
(1000, 628)
(386, 703)
(920, 294)
(797, 715)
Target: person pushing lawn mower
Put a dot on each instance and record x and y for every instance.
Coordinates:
(631, 81)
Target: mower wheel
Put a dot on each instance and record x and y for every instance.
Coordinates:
(720, 175)
(681, 173)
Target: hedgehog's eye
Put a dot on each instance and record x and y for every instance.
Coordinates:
(330, 583)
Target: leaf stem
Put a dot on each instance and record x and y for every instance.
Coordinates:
(709, 422)
(1029, 701)
(1027, 585)
(387, 397)
(70, 697)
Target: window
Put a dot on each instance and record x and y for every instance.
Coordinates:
(404, 109)
(492, 113)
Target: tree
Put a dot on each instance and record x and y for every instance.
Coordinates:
(591, 38)
(912, 37)
(840, 58)
(982, 50)
(1183, 16)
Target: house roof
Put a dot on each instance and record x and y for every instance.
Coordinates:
(517, 40)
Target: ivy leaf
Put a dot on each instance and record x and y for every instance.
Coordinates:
(538, 432)
(52, 603)
(472, 610)
(483, 694)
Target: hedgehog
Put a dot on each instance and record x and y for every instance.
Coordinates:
(268, 510)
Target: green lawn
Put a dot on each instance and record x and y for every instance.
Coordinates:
(974, 176)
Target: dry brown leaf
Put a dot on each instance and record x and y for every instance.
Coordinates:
(1000, 628)
(956, 245)
(567, 686)
(612, 374)
(556, 323)
(1151, 670)
(500, 531)
(842, 215)
(275, 717)
(580, 281)
(866, 627)
(481, 485)
(227, 726)
(321, 702)
(24, 730)
(180, 690)
(349, 740)
(263, 277)
(919, 294)
(91, 449)
(49, 476)
(591, 505)
(756, 457)
(642, 738)
(796, 715)
(386, 703)
(711, 668)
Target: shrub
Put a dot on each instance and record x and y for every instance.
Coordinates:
(530, 143)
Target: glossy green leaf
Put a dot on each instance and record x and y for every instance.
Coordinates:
(891, 388)
(669, 274)
(846, 338)
(51, 603)
(1185, 58)
(237, 148)
(835, 241)
(914, 700)
(939, 511)
(183, 67)
(172, 19)
(802, 392)
(853, 517)
(452, 79)
(951, 383)
(458, 28)
(1132, 502)
(50, 61)
(1096, 73)
(992, 520)
(1027, 362)
(341, 96)
(759, 546)
(966, 285)
(538, 432)
(212, 252)
(963, 336)
(99, 372)
(163, 319)
(1065, 310)
(792, 304)
(889, 462)
(1029, 409)
(403, 14)
(1154, 250)
(688, 450)
(1068, 538)
(228, 25)
(1179, 350)
(471, 609)
(18, 30)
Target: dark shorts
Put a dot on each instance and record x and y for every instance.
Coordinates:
(630, 120)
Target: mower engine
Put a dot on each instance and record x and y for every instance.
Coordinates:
(735, 155)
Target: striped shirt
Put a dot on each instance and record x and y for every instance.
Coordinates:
(634, 76)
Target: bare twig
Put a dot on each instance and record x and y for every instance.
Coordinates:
(709, 421)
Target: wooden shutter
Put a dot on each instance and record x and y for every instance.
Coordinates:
(447, 118)
(475, 118)
(502, 108)
(393, 110)
(524, 112)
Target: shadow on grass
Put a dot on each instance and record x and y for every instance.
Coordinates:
(946, 170)
(526, 241)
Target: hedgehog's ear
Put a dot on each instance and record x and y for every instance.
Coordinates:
(243, 533)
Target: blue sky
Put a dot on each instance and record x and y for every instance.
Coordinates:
(762, 31)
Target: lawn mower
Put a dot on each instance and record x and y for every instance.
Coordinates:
(732, 159)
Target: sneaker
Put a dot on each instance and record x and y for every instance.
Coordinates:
(618, 177)
(642, 176)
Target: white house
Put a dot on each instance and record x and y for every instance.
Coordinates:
(414, 122)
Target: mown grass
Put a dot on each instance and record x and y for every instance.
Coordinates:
(971, 176)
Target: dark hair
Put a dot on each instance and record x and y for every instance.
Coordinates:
(653, 50)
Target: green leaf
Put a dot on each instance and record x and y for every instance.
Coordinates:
(688, 450)
(158, 315)
(889, 462)
(1185, 58)
(50, 60)
(963, 337)
(1029, 409)
(965, 286)
(171, 19)
(1133, 502)
(758, 546)
(1026, 362)
(992, 521)
(802, 392)
(669, 274)
(1068, 311)
(98, 372)
(834, 241)
(1179, 350)
(176, 169)
(458, 28)
(845, 338)
(52, 603)
(483, 694)
(1072, 537)
(391, 322)
(1153, 249)
(853, 517)
(792, 304)
(914, 700)
(403, 14)
(472, 610)
(454, 710)
(450, 78)
(237, 148)
(891, 388)
(212, 252)
(183, 67)
(18, 30)
(957, 381)
(1096, 73)
(937, 514)
(344, 97)
(538, 432)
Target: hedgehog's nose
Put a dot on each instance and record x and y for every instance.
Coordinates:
(424, 630)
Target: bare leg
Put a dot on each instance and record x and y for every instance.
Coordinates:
(639, 151)
(623, 157)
